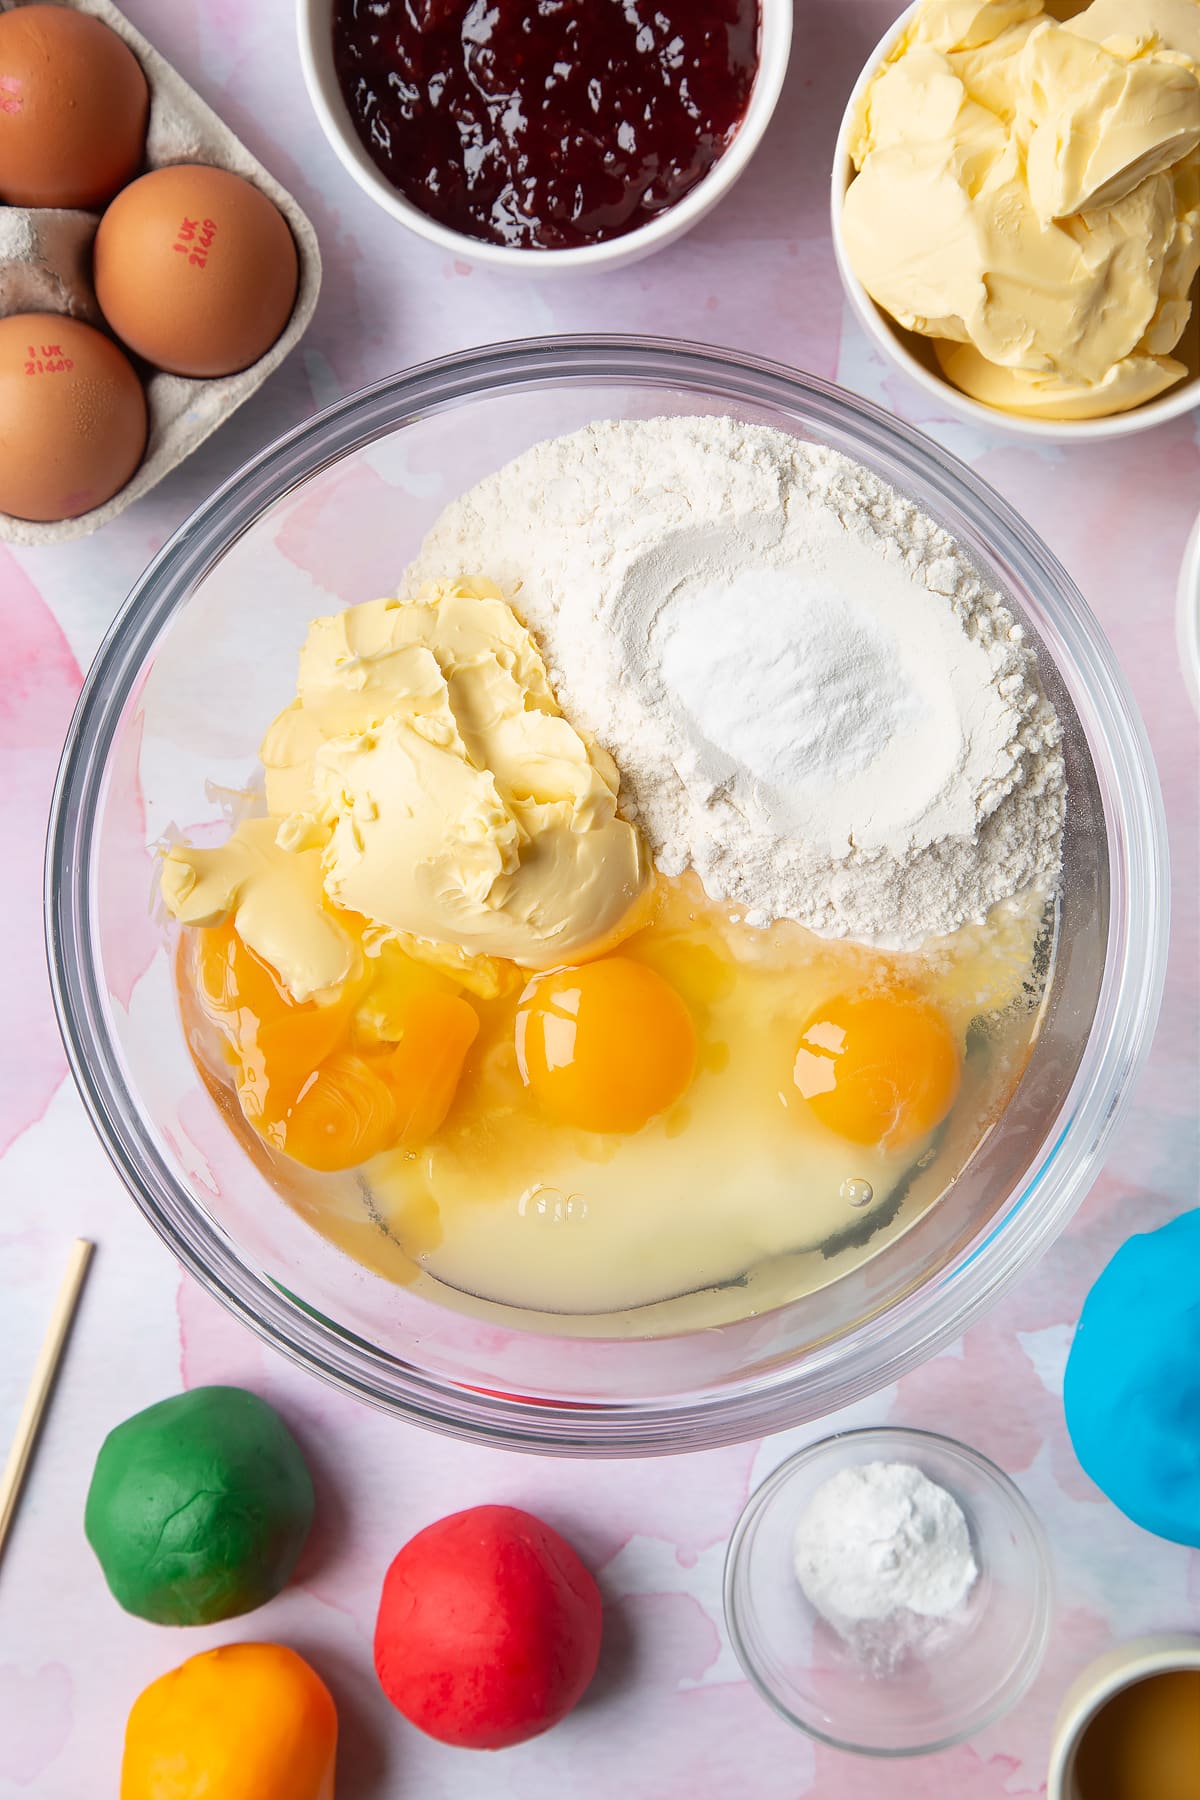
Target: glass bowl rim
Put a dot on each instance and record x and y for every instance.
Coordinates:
(915, 1438)
(917, 1324)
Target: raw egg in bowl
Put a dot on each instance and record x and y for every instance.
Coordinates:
(617, 1056)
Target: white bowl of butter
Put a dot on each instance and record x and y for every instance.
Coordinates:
(1071, 240)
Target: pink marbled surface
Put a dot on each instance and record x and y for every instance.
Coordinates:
(670, 1718)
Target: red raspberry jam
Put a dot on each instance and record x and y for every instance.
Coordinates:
(545, 123)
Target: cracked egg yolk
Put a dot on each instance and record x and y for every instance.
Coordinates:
(880, 1068)
(606, 1046)
(305, 1081)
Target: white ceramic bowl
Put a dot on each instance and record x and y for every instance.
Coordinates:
(1117, 1669)
(314, 24)
(914, 355)
(1187, 616)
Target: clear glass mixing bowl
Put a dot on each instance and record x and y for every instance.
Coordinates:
(203, 653)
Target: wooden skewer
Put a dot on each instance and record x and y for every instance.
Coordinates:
(42, 1383)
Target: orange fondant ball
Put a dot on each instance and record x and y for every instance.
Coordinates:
(247, 1722)
(489, 1628)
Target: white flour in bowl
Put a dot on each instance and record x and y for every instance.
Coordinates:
(814, 699)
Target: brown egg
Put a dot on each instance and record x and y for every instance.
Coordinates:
(73, 108)
(195, 270)
(72, 417)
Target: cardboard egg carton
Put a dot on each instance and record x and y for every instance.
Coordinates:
(46, 261)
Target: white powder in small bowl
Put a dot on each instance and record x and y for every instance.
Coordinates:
(814, 700)
(884, 1554)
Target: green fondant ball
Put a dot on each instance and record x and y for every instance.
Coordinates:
(199, 1507)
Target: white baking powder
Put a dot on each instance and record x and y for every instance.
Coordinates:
(881, 1551)
(813, 698)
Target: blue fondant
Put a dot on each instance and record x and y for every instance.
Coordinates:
(1132, 1387)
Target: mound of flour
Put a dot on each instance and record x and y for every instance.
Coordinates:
(814, 700)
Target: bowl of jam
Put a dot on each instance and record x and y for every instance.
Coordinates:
(577, 133)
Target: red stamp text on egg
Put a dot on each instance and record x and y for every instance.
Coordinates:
(47, 359)
(194, 239)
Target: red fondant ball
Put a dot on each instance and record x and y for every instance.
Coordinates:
(488, 1630)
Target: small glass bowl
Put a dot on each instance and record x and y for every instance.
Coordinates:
(963, 1676)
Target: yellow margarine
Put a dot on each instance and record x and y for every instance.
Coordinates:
(425, 772)
(1028, 195)
(275, 899)
(1135, 26)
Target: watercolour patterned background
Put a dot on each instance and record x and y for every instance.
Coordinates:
(669, 1717)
